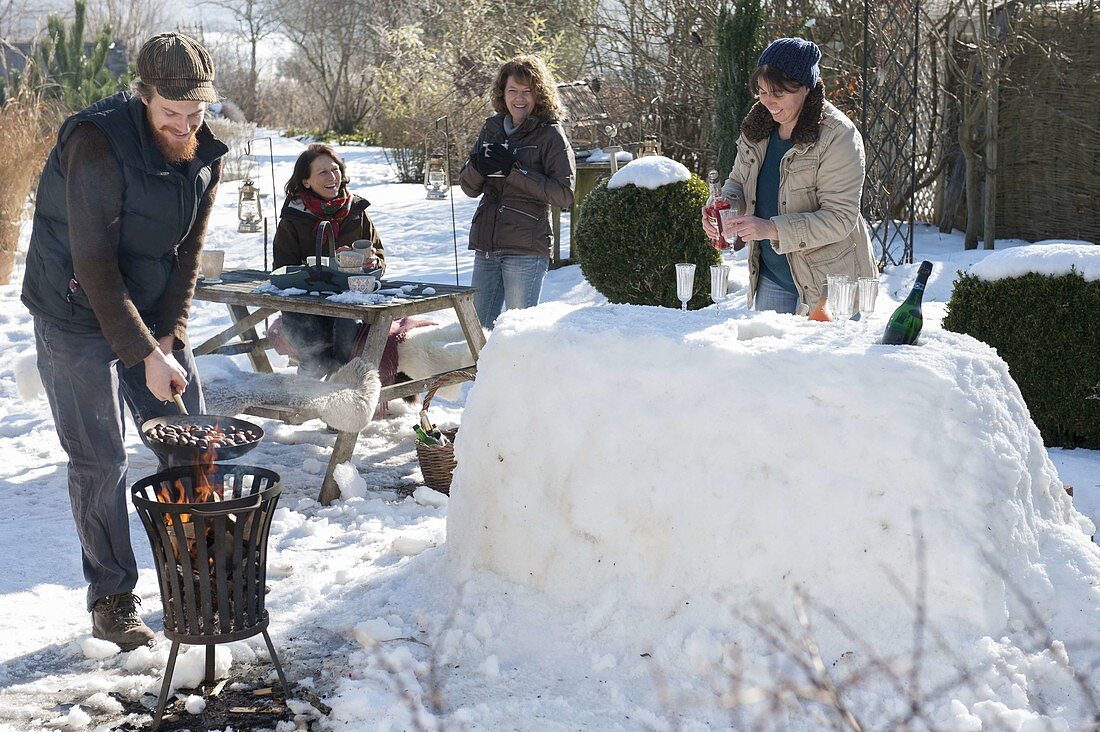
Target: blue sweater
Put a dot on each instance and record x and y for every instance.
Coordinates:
(773, 265)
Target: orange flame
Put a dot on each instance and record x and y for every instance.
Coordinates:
(207, 488)
(174, 493)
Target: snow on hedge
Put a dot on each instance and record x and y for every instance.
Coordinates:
(1054, 257)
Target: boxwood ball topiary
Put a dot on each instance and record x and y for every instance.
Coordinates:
(629, 241)
(1045, 329)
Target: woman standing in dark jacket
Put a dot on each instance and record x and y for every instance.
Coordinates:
(318, 191)
(521, 165)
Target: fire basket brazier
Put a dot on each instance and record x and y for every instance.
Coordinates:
(208, 527)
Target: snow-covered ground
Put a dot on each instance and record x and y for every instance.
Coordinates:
(365, 607)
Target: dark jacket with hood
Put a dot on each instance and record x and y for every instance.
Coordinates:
(294, 238)
(117, 229)
(514, 213)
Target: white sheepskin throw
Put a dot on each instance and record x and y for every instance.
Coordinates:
(434, 350)
(346, 402)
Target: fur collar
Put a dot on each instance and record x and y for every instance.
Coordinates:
(758, 124)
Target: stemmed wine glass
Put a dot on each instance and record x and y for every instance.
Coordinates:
(685, 283)
(727, 215)
(840, 297)
(719, 285)
(868, 292)
(735, 197)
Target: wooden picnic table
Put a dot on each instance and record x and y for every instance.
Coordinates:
(248, 308)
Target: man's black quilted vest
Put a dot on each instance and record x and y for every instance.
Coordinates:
(158, 210)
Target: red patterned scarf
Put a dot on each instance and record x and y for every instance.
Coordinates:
(333, 211)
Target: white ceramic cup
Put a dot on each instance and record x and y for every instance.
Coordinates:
(351, 260)
(364, 284)
(311, 261)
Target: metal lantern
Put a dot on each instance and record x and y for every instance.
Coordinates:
(650, 146)
(435, 177)
(248, 208)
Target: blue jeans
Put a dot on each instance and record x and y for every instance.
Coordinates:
(87, 386)
(512, 280)
(772, 296)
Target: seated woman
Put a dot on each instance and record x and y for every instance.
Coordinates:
(318, 191)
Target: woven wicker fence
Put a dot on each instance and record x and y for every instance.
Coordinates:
(1049, 156)
(1049, 179)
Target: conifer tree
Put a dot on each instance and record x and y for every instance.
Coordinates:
(62, 69)
(740, 41)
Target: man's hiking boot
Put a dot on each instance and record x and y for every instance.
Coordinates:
(115, 619)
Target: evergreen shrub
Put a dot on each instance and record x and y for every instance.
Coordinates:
(61, 70)
(629, 240)
(1045, 329)
(740, 39)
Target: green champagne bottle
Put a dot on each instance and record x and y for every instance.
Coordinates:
(904, 325)
(424, 436)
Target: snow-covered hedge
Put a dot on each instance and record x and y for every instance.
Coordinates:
(630, 238)
(1045, 328)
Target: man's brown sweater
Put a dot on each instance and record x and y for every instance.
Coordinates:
(94, 194)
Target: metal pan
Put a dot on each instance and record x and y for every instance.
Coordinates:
(189, 454)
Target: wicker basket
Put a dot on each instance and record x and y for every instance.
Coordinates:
(437, 462)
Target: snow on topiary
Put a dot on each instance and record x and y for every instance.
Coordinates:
(652, 172)
(634, 228)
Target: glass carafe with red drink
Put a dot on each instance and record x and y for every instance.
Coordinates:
(713, 210)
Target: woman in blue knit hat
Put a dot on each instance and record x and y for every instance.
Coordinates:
(800, 163)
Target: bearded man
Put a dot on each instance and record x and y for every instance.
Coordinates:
(119, 222)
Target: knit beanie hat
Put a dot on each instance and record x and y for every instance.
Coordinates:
(179, 67)
(796, 56)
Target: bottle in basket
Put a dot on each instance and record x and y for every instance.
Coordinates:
(427, 432)
(426, 437)
(437, 461)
